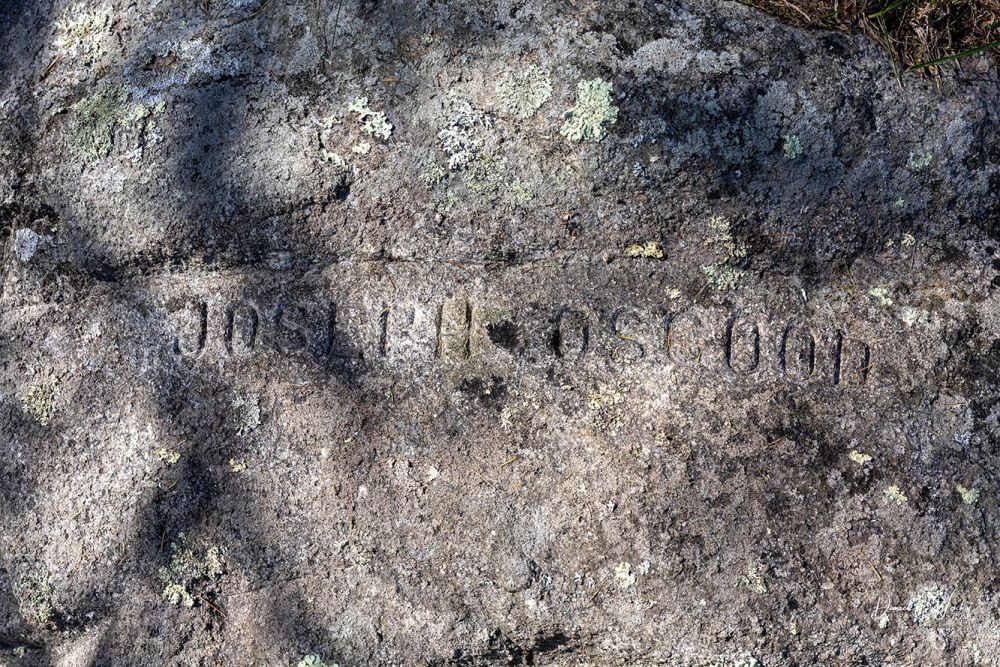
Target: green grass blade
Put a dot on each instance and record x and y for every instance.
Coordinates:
(957, 56)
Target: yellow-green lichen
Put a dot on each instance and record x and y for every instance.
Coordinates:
(95, 119)
(168, 456)
(593, 110)
(624, 576)
(723, 275)
(859, 457)
(970, 496)
(33, 593)
(755, 581)
(40, 402)
(187, 572)
(486, 175)
(431, 172)
(649, 250)
(894, 494)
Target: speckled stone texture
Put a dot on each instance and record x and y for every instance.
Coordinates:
(718, 388)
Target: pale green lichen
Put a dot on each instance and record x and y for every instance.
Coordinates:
(486, 174)
(361, 148)
(586, 120)
(314, 661)
(929, 604)
(33, 593)
(431, 172)
(40, 402)
(95, 119)
(186, 572)
(792, 148)
(920, 161)
(970, 496)
(722, 277)
(523, 93)
(372, 122)
(237, 465)
(881, 294)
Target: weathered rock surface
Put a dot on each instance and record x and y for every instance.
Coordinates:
(281, 380)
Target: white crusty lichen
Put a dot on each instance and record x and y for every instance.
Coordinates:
(586, 120)
(929, 604)
(521, 94)
(372, 122)
(25, 244)
(79, 28)
(465, 135)
(314, 661)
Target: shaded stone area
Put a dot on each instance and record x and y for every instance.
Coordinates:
(486, 334)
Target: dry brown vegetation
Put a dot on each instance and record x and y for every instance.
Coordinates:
(918, 33)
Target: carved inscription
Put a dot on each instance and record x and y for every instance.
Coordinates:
(455, 330)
